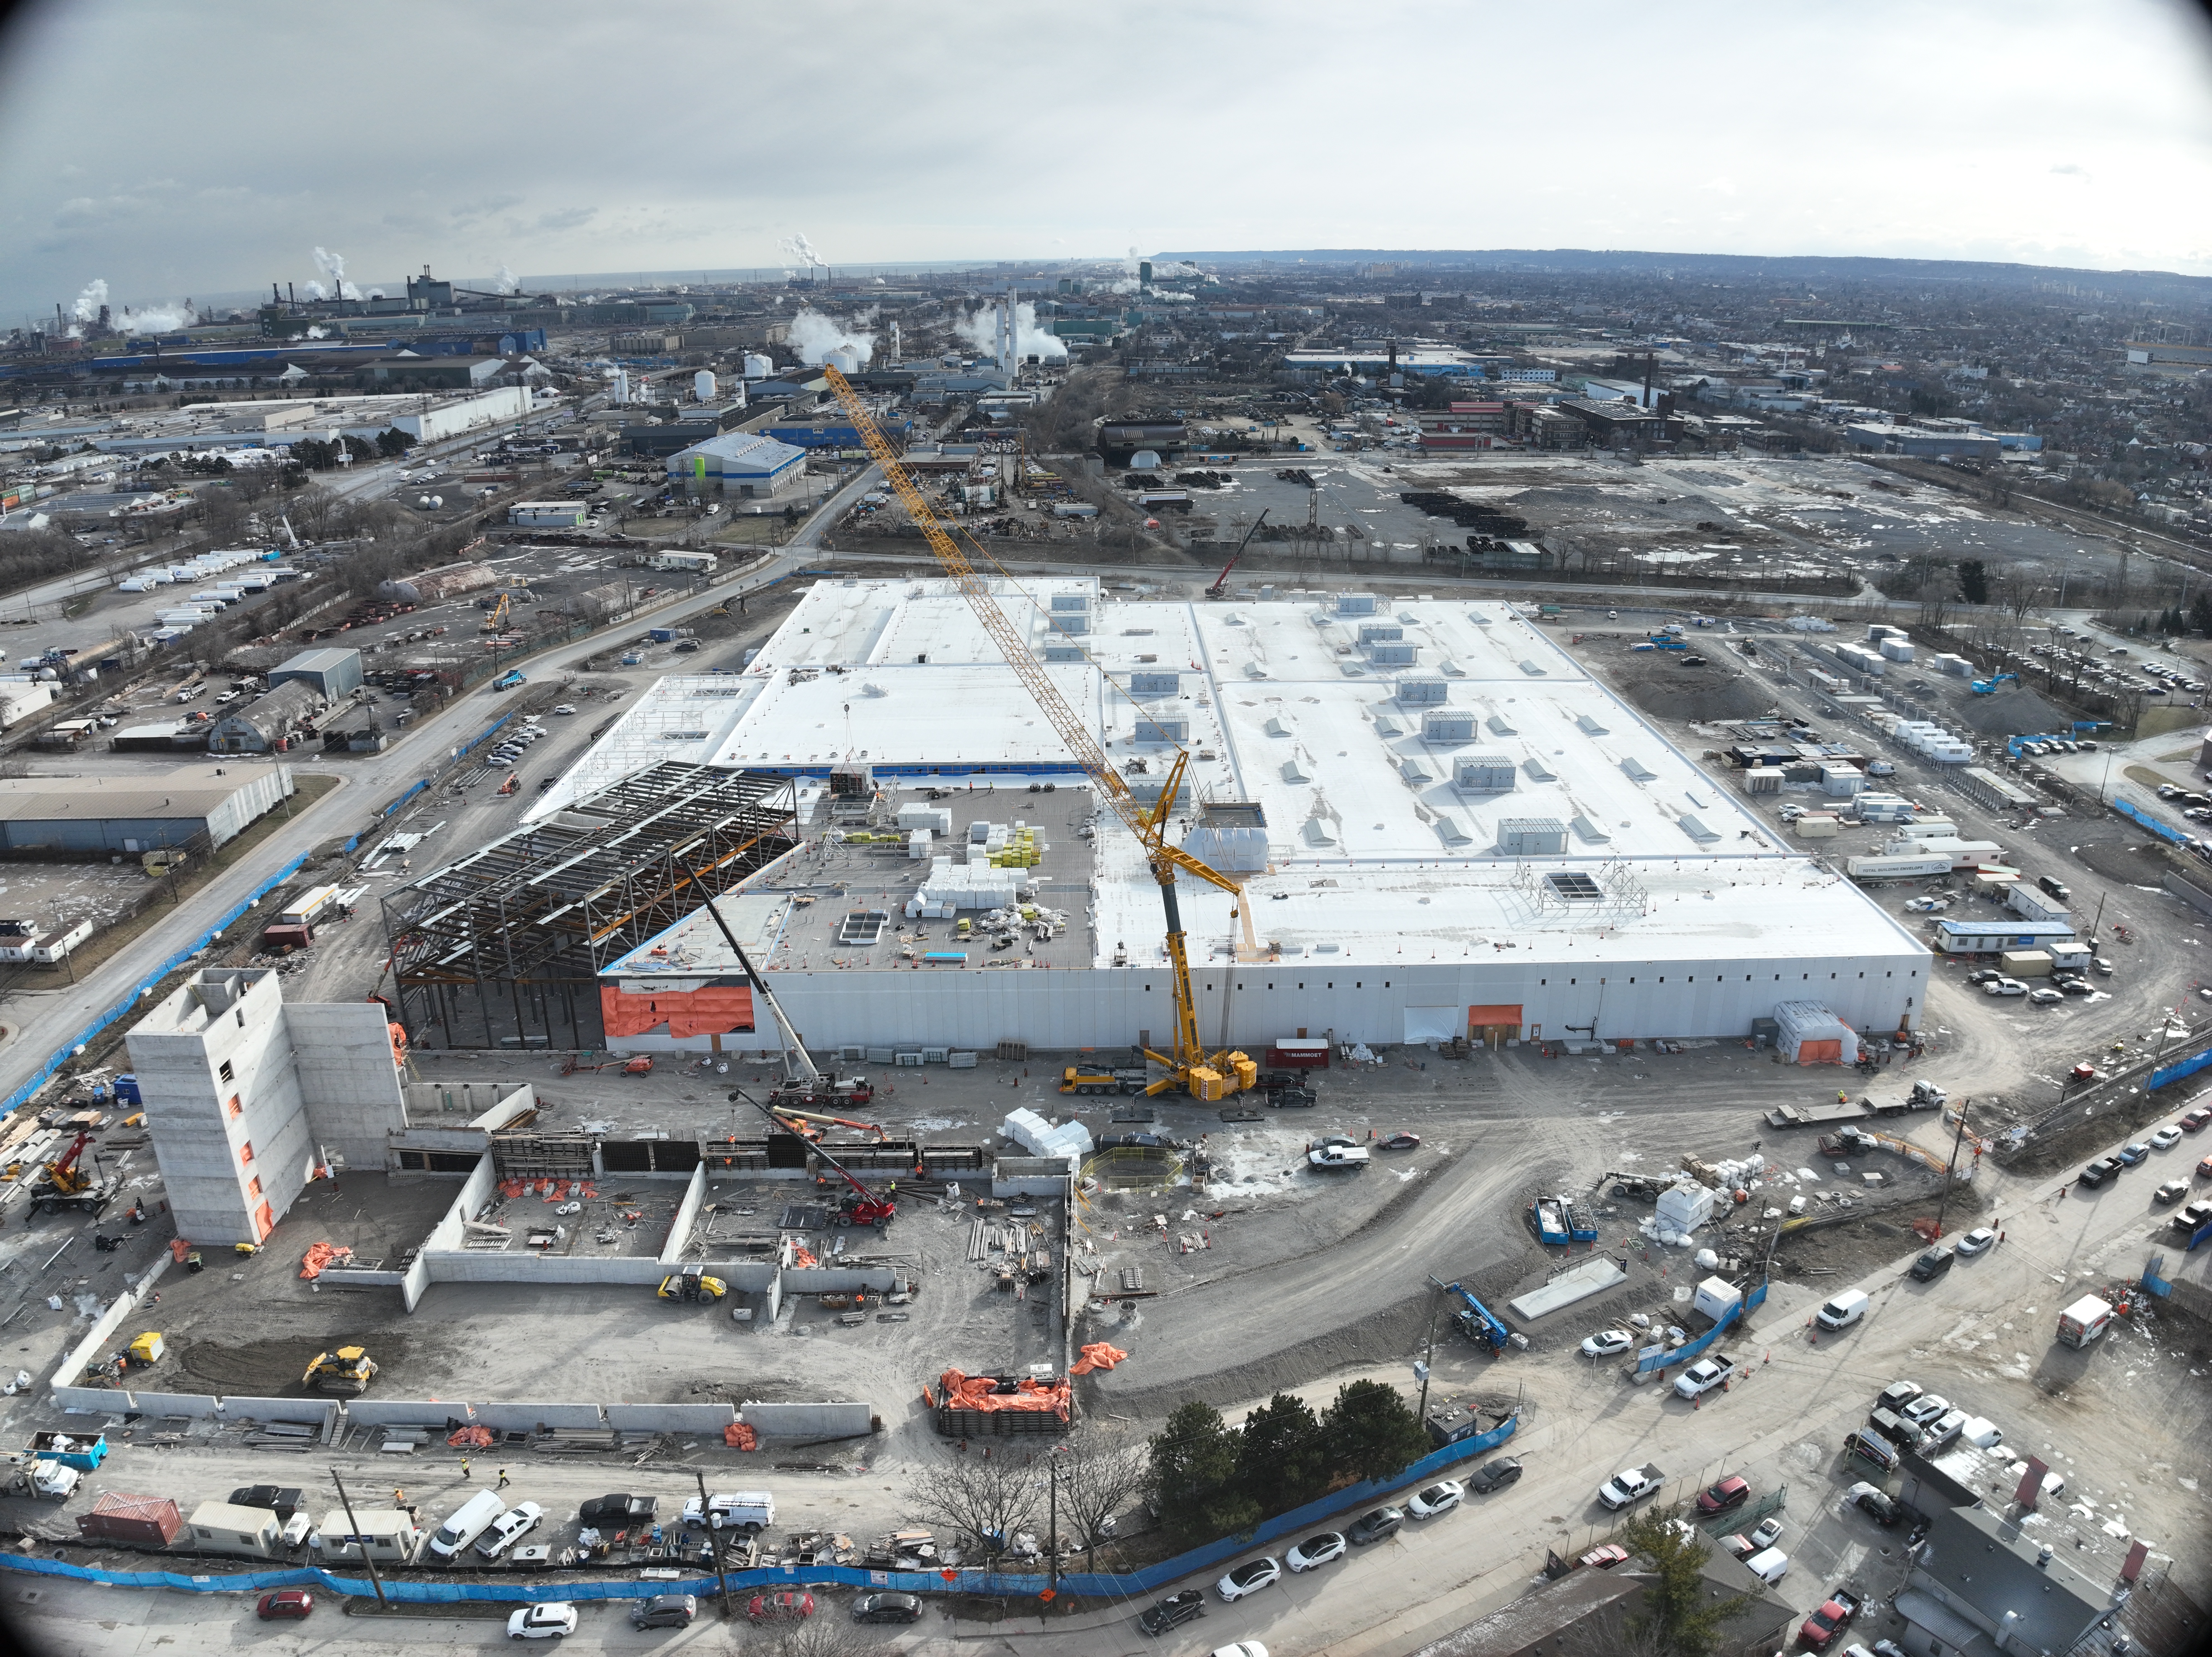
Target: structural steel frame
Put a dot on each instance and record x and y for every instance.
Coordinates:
(503, 946)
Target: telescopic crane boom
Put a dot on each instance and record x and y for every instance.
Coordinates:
(867, 1207)
(803, 1083)
(1221, 581)
(1190, 1067)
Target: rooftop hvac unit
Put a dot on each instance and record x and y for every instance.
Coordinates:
(1063, 652)
(1064, 601)
(1355, 603)
(1155, 685)
(1448, 727)
(1589, 725)
(1531, 837)
(1422, 692)
(1414, 772)
(1537, 770)
(1638, 770)
(1070, 620)
(1387, 726)
(1587, 830)
(1162, 730)
(1696, 829)
(1391, 655)
(1483, 773)
(1380, 632)
(1451, 830)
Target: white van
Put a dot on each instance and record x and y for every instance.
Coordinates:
(467, 1523)
(1769, 1567)
(1845, 1310)
(751, 1511)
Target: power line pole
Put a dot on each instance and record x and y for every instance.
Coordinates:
(1951, 1171)
(361, 1541)
(715, 1541)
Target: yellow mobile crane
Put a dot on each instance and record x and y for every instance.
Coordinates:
(1202, 1075)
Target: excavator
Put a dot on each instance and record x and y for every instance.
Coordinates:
(65, 1182)
(1189, 1065)
(497, 620)
(348, 1370)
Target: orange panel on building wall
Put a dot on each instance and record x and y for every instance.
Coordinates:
(1483, 1017)
(1820, 1053)
(712, 1010)
(264, 1223)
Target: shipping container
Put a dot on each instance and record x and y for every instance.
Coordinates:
(1299, 1052)
(150, 1521)
(1904, 866)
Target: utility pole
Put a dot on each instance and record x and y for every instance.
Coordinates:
(361, 1542)
(715, 1541)
(1951, 1172)
(1429, 1362)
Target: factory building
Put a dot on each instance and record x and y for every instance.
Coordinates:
(738, 464)
(332, 674)
(1455, 831)
(268, 724)
(199, 805)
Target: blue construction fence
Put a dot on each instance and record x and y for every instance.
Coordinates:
(2149, 823)
(145, 987)
(2177, 1069)
(1690, 1350)
(974, 1580)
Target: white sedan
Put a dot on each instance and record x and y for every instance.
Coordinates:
(1322, 1549)
(1607, 1342)
(1249, 1578)
(1976, 1241)
(552, 1620)
(1440, 1497)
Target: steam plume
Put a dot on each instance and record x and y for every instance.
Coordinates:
(980, 330)
(814, 335)
(333, 266)
(504, 281)
(801, 252)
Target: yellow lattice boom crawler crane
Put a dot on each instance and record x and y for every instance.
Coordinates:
(1201, 1074)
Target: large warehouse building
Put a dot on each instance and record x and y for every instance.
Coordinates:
(199, 806)
(1443, 827)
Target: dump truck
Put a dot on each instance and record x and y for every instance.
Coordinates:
(348, 1370)
(1076, 1079)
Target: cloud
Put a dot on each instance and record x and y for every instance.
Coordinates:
(566, 218)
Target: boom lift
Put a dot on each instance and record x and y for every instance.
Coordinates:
(1189, 1067)
(1477, 1322)
(1221, 581)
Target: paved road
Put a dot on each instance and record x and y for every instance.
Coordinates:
(45, 1021)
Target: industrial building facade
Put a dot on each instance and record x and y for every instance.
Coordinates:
(201, 805)
(1458, 834)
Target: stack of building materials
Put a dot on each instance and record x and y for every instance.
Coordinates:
(1041, 1139)
(1811, 1035)
(951, 887)
(931, 819)
(1897, 649)
(1957, 666)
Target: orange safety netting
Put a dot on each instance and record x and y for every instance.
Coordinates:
(470, 1438)
(1097, 1356)
(322, 1254)
(710, 1010)
(738, 1436)
(980, 1392)
(801, 1259)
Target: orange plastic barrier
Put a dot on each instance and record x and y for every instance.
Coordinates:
(1097, 1356)
(738, 1436)
(801, 1259)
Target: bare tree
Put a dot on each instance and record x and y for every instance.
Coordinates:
(1099, 1475)
(826, 1634)
(983, 1499)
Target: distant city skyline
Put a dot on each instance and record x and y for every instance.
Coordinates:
(165, 162)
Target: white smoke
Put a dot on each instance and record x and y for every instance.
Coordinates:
(376, 293)
(87, 308)
(333, 266)
(1175, 268)
(161, 320)
(982, 330)
(814, 335)
(316, 290)
(317, 331)
(1129, 264)
(504, 281)
(801, 252)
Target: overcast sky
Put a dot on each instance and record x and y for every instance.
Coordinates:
(189, 150)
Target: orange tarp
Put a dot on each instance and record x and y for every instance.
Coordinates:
(738, 1436)
(1097, 1355)
(322, 1254)
(711, 1009)
(470, 1438)
(980, 1393)
(800, 1259)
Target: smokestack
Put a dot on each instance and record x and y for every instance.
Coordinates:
(291, 294)
(276, 295)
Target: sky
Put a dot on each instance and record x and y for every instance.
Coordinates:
(174, 152)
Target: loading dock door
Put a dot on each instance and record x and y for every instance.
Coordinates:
(1431, 1023)
(1495, 1025)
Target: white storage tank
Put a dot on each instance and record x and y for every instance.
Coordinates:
(758, 367)
(1716, 1297)
(702, 385)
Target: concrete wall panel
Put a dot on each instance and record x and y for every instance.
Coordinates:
(670, 1417)
(839, 1280)
(344, 1277)
(404, 1412)
(808, 1420)
(198, 1405)
(525, 1416)
(687, 1212)
(318, 1410)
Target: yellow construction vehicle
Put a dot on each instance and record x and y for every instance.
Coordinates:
(1189, 1065)
(498, 618)
(347, 1370)
(692, 1284)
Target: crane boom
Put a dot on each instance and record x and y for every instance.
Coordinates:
(1189, 1063)
(1221, 580)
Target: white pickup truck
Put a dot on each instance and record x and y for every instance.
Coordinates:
(1704, 1376)
(1633, 1486)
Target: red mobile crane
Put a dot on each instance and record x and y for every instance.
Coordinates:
(864, 1206)
(1222, 580)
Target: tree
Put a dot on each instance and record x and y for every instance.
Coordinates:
(1100, 1474)
(825, 1634)
(2200, 613)
(392, 442)
(1973, 581)
(1372, 1432)
(1192, 1476)
(982, 1499)
(1677, 1612)
(1282, 1455)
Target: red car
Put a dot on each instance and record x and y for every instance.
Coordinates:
(2193, 1121)
(1731, 1492)
(293, 1603)
(1834, 1616)
(1400, 1142)
(1605, 1556)
(780, 1607)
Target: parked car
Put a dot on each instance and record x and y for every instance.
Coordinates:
(1604, 1557)
(1932, 1264)
(2046, 997)
(1719, 1497)
(1495, 1475)
(1249, 1578)
(1173, 1611)
(1929, 1406)
(1829, 1618)
(1322, 1549)
(2172, 1191)
(1438, 1498)
(1980, 1240)
(887, 1608)
(1768, 1534)
(1398, 1142)
(548, 1619)
(1373, 1527)
(2193, 1121)
(1872, 1501)
(285, 1605)
(1941, 1430)
(2095, 1173)
(2165, 1138)
(2132, 1153)
(1703, 1377)
(2002, 986)
(1872, 1448)
(665, 1610)
(1845, 1310)
(1770, 1567)
(283, 1500)
(1606, 1342)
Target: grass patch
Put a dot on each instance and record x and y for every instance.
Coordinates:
(2145, 775)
